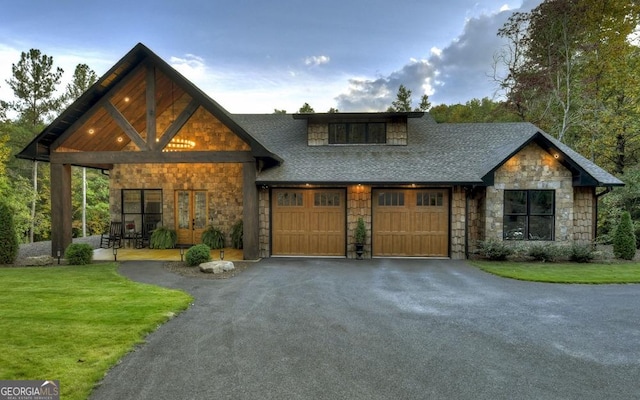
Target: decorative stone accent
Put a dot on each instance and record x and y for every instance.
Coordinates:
(37, 261)
(216, 267)
(358, 205)
(532, 168)
(458, 223)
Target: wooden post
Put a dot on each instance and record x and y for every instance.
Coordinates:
(251, 235)
(61, 209)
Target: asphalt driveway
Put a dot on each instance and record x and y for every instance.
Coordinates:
(384, 329)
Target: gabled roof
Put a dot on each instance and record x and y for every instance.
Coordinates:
(435, 154)
(39, 148)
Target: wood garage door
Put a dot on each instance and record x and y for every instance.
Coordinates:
(308, 222)
(411, 223)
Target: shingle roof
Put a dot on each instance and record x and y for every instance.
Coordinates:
(436, 153)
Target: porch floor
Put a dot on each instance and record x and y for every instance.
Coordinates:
(129, 254)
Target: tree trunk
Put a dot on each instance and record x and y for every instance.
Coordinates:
(84, 201)
(34, 202)
(619, 157)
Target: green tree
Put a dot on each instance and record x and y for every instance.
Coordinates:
(276, 111)
(83, 78)
(402, 103)
(425, 104)
(34, 82)
(9, 248)
(306, 109)
(624, 240)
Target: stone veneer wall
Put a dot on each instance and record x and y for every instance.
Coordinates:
(532, 168)
(458, 216)
(264, 222)
(477, 211)
(358, 205)
(584, 214)
(318, 134)
(223, 182)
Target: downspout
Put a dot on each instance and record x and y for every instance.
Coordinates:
(468, 192)
(595, 222)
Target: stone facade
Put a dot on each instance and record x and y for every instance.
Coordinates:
(458, 222)
(318, 134)
(358, 205)
(534, 168)
(584, 214)
(223, 183)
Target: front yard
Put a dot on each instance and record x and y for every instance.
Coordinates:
(74, 323)
(592, 273)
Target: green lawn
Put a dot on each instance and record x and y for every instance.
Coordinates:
(593, 273)
(74, 323)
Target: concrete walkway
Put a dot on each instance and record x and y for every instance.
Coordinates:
(384, 329)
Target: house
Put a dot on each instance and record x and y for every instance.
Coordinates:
(300, 182)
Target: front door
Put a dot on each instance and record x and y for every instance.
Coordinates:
(191, 215)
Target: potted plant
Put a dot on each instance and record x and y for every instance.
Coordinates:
(360, 237)
(163, 238)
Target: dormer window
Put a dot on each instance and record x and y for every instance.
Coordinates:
(358, 133)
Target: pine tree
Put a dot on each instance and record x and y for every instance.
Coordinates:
(8, 238)
(624, 240)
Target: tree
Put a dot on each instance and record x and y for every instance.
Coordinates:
(9, 248)
(624, 240)
(425, 104)
(402, 103)
(276, 111)
(306, 109)
(83, 78)
(34, 84)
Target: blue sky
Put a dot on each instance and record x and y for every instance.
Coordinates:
(253, 56)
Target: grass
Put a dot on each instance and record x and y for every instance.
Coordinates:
(74, 323)
(591, 273)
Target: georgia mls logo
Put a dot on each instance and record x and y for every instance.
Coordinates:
(29, 390)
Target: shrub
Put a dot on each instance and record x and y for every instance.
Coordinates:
(9, 247)
(213, 237)
(79, 254)
(361, 232)
(237, 235)
(624, 240)
(494, 250)
(541, 252)
(163, 238)
(198, 254)
(581, 253)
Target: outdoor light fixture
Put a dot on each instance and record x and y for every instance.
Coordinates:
(556, 156)
(58, 256)
(115, 253)
(222, 254)
(181, 253)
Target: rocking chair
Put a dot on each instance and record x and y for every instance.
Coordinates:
(113, 237)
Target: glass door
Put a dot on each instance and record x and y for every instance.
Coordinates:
(191, 215)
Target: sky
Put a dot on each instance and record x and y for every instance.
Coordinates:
(255, 56)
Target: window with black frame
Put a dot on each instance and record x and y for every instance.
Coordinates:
(358, 133)
(529, 214)
(141, 210)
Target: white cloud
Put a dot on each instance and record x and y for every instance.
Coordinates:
(190, 65)
(316, 60)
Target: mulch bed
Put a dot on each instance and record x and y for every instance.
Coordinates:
(181, 268)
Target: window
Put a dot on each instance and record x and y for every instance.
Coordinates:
(529, 214)
(434, 199)
(140, 208)
(290, 199)
(391, 199)
(326, 199)
(358, 133)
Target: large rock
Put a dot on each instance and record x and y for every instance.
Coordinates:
(216, 267)
(36, 261)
